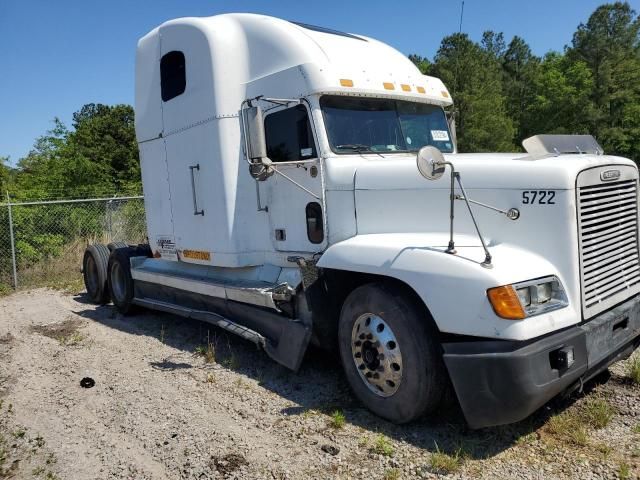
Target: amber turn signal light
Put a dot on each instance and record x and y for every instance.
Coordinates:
(505, 302)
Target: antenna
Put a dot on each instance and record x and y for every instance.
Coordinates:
(461, 16)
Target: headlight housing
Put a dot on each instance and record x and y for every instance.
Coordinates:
(526, 299)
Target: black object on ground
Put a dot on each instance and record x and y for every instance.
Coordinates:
(87, 382)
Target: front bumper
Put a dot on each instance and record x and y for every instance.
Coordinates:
(500, 382)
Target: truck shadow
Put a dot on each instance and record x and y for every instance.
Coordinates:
(320, 385)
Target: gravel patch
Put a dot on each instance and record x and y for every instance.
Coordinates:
(161, 409)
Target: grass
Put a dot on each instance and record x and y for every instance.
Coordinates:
(337, 419)
(634, 369)
(569, 427)
(597, 412)
(636, 429)
(231, 362)
(624, 471)
(391, 474)
(382, 446)
(444, 463)
(73, 339)
(36, 472)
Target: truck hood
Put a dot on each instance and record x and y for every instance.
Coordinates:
(478, 170)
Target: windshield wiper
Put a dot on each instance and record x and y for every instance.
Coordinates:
(358, 147)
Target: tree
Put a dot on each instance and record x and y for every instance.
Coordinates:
(560, 100)
(422, 63)
(98, 157)
(609, 45)
(5, 173)
(474, 79)
(519, 70)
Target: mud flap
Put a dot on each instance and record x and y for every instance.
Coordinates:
(291, 345)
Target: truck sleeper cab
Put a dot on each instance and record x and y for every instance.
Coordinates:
(303, 185)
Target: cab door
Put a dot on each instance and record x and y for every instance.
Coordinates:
(294, 194)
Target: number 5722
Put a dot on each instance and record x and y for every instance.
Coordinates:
(538, 197)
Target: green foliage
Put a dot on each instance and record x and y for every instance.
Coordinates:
(503, 93)
(474, 78)
(98, 157)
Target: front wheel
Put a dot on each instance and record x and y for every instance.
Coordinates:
(390, 352)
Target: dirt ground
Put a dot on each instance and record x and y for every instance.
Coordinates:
(178, 399)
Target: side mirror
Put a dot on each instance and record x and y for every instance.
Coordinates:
(431, 163)
(256, 143)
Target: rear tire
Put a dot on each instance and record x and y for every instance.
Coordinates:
(115, 245)
(120, 280)
(94, 273)
(390, 352)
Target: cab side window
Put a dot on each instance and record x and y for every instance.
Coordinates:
(173, 75)
(288, 135)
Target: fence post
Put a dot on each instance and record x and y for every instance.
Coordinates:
(109, 220)
(13, 245)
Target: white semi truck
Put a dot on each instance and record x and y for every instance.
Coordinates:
(303, 185)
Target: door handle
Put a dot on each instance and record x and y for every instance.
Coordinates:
(193, 190)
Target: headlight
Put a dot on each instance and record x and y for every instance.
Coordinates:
(526, 299)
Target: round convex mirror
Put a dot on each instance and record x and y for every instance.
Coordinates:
(430, 163)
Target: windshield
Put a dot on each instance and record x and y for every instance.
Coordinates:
(381, 125)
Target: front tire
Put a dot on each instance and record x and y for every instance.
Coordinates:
(390, 352)
(120, 280)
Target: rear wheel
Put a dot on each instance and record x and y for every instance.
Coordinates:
(94, 273)
(115, 245)
(119, 279)
(390, 352)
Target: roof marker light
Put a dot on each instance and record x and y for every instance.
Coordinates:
(420, 89)
(445, 93)
(388, 86)
(345, 82)
(405, 88)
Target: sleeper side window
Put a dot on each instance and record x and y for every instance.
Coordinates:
(173, 75)
(288, 135)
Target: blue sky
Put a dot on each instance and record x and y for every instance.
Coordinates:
(55, 56)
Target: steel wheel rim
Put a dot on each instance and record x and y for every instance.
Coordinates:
(118, 282)
(92, 275)
(376, 354)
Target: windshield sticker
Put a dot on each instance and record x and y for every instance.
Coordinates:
(409, 140)
(440, 135)
(306, 152)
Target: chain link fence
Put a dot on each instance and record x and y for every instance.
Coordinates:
(42, 243)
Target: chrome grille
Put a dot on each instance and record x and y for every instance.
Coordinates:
(608, 225)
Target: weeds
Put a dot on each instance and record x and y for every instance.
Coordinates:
(568, 426)
(208, 351)
(597, 412)
(634, 369)
(337, 419)
(445, 463)
(71, 340)
(382, 446)
(624, 471)
(527, 438)
(636, 429)
(162, 333)
(36, 472)
(231, 362)
(391, 474)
